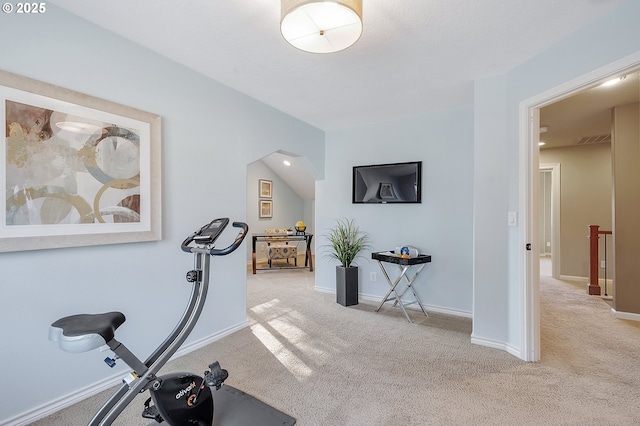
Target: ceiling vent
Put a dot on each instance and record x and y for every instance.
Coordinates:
(590, 140)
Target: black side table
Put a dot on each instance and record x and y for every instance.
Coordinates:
(404, 264)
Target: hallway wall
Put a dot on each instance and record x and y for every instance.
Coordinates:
(585, 199)
(626, 184)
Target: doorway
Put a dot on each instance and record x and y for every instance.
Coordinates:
(289, 198)
(529, 233)
(549, 219)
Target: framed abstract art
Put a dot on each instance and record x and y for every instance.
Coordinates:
(76, 170)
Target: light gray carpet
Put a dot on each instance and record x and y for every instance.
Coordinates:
(329, 365)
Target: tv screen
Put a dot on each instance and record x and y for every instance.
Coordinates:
(388, 183)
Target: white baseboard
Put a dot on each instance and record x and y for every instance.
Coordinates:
(68, 400)
(601, 281)
(496, 345)
(572, 278)
(325, 290)
(429, 308)
(108, 383)
(625, 315)
(193, 346)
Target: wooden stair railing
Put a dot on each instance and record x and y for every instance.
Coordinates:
(594, 235)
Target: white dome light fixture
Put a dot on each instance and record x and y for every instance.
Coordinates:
(321, 26)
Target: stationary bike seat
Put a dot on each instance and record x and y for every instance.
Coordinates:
(84, 332)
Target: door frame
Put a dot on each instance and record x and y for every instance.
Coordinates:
(529, 125)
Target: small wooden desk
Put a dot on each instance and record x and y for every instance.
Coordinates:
(404, 265)
(308, 260)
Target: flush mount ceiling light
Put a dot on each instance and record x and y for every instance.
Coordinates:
(320, 26)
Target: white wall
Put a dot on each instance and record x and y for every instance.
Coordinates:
(497, 185)
(490, 206)
(440, 226)
(210, 134)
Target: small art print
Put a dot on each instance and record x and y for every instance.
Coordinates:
(72, 171)
(265, 187)
(266, 208)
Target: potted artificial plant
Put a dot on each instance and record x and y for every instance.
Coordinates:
(346, 241)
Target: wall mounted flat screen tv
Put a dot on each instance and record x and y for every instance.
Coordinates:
(388, 183)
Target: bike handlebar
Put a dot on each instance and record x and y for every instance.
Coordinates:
(218, 252)
(235, 244)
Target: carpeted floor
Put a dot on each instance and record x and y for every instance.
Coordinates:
(329, 365)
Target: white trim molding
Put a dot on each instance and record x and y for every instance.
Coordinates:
(625, 315)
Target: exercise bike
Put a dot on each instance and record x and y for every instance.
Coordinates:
(179, 398)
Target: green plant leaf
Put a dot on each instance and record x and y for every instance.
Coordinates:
(346, 241)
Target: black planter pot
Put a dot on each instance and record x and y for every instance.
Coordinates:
(347, 285)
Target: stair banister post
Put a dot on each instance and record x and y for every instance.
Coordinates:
(594, 286)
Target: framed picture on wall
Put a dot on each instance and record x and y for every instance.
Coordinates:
(75, 170)
(264, 188)
(266, 208)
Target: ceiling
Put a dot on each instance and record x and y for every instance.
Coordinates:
(585, 118)
(414, 56)
(297, 174)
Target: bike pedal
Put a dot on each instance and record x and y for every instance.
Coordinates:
(216, 377)
(151, 412)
